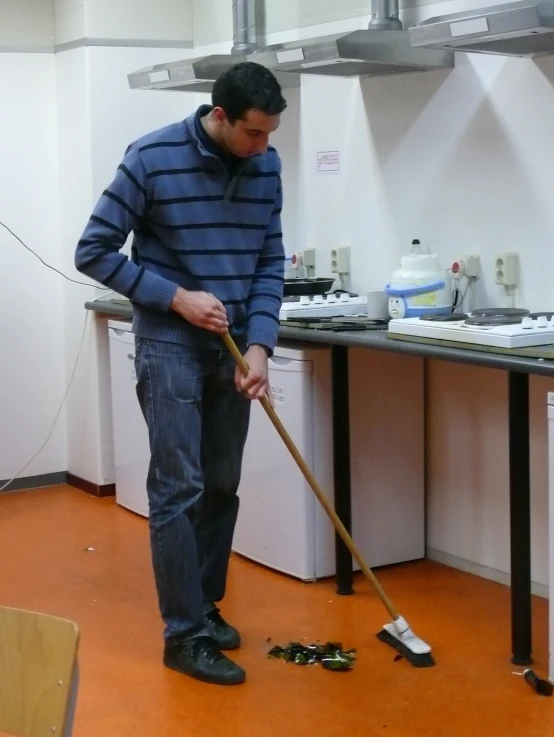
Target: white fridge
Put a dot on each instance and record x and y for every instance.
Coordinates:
(281, 523)
(130, 434)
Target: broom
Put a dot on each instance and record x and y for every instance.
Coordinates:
(397, 633)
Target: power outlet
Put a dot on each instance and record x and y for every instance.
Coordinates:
(308, 257)
(340, 260)
(507, 269)
(472, 266)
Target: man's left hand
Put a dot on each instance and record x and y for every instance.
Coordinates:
(255, 385)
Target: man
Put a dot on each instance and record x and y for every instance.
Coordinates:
(203, 199)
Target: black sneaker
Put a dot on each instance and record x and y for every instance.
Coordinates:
(227, 637)
(201, 658)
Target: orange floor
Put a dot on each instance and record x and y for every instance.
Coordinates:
(126, 691)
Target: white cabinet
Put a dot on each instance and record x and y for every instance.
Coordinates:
(280, 522)
(131, 447)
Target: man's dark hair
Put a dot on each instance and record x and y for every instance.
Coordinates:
(248, 86)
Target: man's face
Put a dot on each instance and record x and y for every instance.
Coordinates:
(249, 136)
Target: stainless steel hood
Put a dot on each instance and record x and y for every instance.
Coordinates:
(199, 74)
(513, 29)
(365, 53)
(188, 75)
(382, 49)
(194, 75)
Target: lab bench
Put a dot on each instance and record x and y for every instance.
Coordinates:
(517, 369)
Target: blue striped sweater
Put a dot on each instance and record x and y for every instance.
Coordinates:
(192, 227)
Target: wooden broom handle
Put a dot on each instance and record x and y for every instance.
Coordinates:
(310, 478)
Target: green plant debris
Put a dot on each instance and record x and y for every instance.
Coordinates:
(331, 656)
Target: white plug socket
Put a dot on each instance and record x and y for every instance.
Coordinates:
(472, 266)
(340, 260)
(308, 258)
(507, 269)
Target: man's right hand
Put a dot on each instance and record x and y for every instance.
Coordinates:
(201, 309)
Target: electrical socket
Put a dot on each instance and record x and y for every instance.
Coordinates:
(308, 257)
(507, 269)
(468, 267)
(340, 260)
(472, 266)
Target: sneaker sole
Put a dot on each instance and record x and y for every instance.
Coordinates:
(239, 680)
(228, 646)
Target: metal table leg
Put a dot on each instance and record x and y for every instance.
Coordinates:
(341, 462)
(520, 517)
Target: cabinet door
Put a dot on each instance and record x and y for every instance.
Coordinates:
(276, 518)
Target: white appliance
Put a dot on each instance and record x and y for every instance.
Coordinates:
(551, 530)
(281, 524)
(500, 328)
(419, 285)
(131, 447)
(323, 305)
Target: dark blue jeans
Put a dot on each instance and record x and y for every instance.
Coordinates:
(197, 424)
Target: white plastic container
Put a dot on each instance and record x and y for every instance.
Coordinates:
(420, 286)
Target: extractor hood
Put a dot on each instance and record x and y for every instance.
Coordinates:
(194, 75)
(513, 29)
(188, 75)
(382, 49)
(199, 74)
(365, 53)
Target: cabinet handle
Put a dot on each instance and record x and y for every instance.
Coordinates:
(131, 356)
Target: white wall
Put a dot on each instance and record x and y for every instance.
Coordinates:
(213, 19)
(32, 372)
(27, 25)
(442, 157)
(70, 20)
(468, 489)
(164, 20)
(136, 22)
(99, 116)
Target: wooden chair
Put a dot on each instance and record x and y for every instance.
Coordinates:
(38, 674)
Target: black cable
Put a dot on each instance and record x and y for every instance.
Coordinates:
(85, 284)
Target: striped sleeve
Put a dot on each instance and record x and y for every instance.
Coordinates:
(266, 293)
(98, 253)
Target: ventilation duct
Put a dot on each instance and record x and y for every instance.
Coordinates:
(245, 27)
(513, 29)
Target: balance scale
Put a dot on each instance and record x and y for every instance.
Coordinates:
(323, 305)
(501, 328)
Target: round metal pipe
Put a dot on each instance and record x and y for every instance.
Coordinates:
(385, 16)
(245, 30)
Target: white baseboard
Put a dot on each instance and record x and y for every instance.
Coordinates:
(492, 574)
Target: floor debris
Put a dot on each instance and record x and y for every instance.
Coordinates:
(331, 656)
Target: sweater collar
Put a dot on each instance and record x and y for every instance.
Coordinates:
(190, 123)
